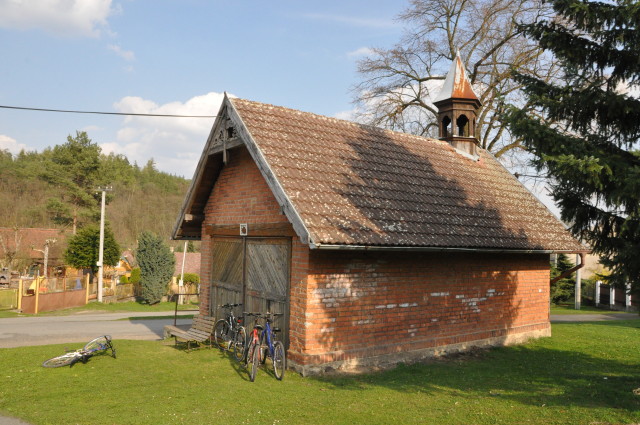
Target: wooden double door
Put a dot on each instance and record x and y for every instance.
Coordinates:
(254, 272)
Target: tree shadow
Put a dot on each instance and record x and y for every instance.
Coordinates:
(418, 193)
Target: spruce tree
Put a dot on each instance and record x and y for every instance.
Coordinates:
(590, 154)
(157, 264)
(564, 289)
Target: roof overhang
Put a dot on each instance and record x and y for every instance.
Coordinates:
(439, 249)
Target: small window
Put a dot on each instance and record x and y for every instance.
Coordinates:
(463, 125)
(446, 131)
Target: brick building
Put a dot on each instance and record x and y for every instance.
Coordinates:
(378, 246)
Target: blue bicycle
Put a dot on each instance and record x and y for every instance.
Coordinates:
(263, 344)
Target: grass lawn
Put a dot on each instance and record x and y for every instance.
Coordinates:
(584, 374)
(96, 307)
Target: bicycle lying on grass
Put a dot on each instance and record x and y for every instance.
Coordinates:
(96, 346)
(229, 332)
(263, 344)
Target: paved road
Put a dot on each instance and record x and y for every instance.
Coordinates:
(25, 331)
(596, 317)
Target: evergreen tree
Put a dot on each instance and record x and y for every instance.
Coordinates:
(590, 153)
(74, 167)
(83, 249)
(564, 289)
(157, 264)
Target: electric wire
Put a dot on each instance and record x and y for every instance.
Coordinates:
(106, 113)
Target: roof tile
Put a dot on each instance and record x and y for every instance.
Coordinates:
(353, 184)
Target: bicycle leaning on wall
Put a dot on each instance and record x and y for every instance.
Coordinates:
(263, 344)
(229, 333)
(98, 345)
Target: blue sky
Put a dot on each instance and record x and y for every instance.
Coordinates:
(175, 57)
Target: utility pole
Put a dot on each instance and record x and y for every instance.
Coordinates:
(578, 286)
(101, 251)
(181, 282)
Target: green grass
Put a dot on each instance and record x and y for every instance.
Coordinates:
(584, 374)
(585, 309)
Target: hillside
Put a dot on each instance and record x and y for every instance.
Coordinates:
(57, 189)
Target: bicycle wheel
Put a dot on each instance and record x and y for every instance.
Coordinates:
(255, 360)
(63, 360)
(239, 343)
(279, 360)
(100, 343)
(221, 334)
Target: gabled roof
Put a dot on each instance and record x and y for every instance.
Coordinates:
(456, 84)
(28, 243)
(347, 185)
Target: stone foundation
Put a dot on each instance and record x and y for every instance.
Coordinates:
(387, 361)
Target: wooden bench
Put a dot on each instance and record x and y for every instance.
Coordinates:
(201, 330)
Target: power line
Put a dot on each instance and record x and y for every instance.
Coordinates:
(106, 113)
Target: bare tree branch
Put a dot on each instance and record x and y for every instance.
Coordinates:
(398, 84)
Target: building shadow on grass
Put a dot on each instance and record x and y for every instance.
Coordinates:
(526, 375)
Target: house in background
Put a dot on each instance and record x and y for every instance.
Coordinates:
(191, 262)
(27, 250)
(379, 247)
(125, 263)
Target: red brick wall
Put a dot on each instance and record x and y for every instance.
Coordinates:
(241, 195)
(375, 304)
(353, 305)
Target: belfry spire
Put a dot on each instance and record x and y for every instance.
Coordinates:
(457, 104)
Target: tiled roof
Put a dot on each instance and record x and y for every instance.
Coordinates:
(191, 265)
(26, 242)
(352, 184)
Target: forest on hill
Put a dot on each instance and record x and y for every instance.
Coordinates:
(58, 188)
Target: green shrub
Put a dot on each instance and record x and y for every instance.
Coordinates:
(124, 279)
(157, 265)
(191, 278)
(589, 291)
(135, 276)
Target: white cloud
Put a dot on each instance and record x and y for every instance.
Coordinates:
(68, 18)
(91, 128)
(11, 145)
(175, 144)
(352, 20)
(362, 51)
(349, 115)
(127, 55)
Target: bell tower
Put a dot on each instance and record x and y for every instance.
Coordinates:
(457, 104)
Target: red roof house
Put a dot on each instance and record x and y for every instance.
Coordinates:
(23, 247)
(191, 263)
(378, 247)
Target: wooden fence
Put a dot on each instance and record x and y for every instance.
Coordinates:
(33, 295)
(37, 295)
(615, 298)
